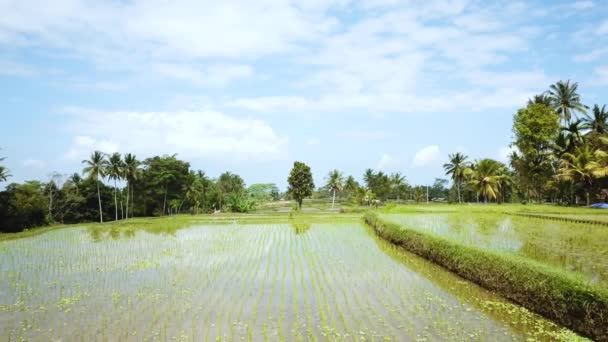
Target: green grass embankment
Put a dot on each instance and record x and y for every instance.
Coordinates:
(552, 293)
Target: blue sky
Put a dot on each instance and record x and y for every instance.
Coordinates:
(251, 86)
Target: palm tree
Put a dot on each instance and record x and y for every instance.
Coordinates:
(540, 99)
(131, 173)
(573, 135)
(580, 166)
(488, 177)
(597, 123)
(115, 171)
(95, 169)
(397, 182)
(455, 168)
(566, 100)
(334, 183)
(4, 174)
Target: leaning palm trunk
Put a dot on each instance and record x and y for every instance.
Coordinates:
(458, 190)
(164, 201)
(99, 199)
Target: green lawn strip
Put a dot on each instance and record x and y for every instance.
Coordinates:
(554, 294)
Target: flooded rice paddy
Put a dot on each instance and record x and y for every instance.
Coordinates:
(577, 247)
(256, 282)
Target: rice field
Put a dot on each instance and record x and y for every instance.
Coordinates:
(325, 280)
(578, 248)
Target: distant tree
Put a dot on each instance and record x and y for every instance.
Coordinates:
(541, 99)
(597, 123)
(573, 135)
(95, 169)
(261, 193)
(581, 167)
(335, 180)
(4, 174)
(300, 182)
(115, 171)
(22, 206)
(455, 168)
(351, 186)
(230, 184)
(488, 177)
(565, 100)
(535, 129)
(131, 173)
(439, 189)
(398, 184)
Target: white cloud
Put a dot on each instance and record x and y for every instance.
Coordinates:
(600, 75)
(82, 146)
(591, 56)
(504, 154)
(213, 75)
(34, 163)
(11, 68)
(581, 5)
(602, 28)
(364, 134)
(202, 134)
(427, 156)
(386, 161)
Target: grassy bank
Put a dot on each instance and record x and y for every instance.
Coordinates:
(550, 292)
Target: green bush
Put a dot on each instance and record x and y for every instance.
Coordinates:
(539, 288)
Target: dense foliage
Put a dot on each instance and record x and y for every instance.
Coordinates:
(160, 185)
(300, 182)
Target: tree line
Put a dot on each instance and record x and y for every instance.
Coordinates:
(116, 187)
(560, 155)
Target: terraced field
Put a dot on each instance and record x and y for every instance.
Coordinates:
(325, 280)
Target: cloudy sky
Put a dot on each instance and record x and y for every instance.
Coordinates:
(251, 86)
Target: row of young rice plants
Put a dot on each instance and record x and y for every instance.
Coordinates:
(551, 292)
(573, 247)
(319, 281)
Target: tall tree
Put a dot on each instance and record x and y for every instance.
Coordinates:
(95, 170)
(535, 129)
(598, 121)
(487, 178)
(565, 100)
(115, 171)
(398, 184)
(300, 182)
(580, 166)
(541, 99)
(4, 174)
(573, 135)
(455, 169)
(131, 173)
(335, 181)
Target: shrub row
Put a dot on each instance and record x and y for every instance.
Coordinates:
(552, 293)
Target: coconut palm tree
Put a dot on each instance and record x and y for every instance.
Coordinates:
(335, 181)
(566, 100)
(487, 178)
(573, 135)
(131, 173)
(580, 167)
(397, 181)
(4, 174)
(540, 99)
(455, 168)
(598, 122)
(115, 171)
(95, 170)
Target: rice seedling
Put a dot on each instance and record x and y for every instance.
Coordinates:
(241, 278)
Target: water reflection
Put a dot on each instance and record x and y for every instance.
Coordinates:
(574, 247)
